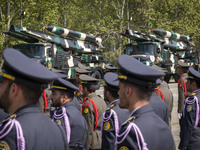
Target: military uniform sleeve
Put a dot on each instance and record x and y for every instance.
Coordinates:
(108, 131)
(8, 136)
(166, 119)
(88, 114)
(188, 125)
(181, 97)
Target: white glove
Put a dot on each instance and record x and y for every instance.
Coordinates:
(179, 115)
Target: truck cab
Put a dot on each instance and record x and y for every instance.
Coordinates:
(41, 52)
(146, 52)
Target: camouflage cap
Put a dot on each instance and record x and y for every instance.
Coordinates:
(182, 64)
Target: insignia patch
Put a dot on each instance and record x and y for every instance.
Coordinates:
(189, 108)
(59, 122)
(86, 110)
(106, 126)
(123, 148)
(111, 106)
(52, 108)
(4, 145)
(78, 94)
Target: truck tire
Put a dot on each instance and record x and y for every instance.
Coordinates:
(97, 75)
(167, 78)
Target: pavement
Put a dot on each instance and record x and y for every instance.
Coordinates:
(174, 122)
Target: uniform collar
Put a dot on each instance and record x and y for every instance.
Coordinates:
(113, 102)
(27, 109)
(91, 95)
(196, 91)
(140, 110)
(69, 103)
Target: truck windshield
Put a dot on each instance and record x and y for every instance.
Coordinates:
(144, 49)
(32, 51)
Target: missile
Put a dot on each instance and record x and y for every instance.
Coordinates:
(171, 35)
(66, 33)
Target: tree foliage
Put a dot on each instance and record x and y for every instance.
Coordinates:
(104, 18)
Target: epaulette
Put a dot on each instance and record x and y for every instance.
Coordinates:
(131, 119)
(9, 118)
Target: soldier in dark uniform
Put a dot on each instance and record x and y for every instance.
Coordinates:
(165, 92)
(190, 133)
(92, 110)
(159, 105)
(67, 114)
(114, 116)
(44, 100)
(27, 128)
(182, 91)
(144, 129)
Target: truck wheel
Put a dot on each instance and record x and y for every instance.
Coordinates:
(167, 78)
(97, 75)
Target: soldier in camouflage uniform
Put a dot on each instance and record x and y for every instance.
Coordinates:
(182, 91)
(79, 94)
(92, 110)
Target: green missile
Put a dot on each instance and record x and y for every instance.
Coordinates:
(66, 33)
(168, 34)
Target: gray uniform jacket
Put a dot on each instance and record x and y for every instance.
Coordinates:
(76, 128)
(113, 117)
(30, 129)
(152, 132)
(190, 131)
(160, 107)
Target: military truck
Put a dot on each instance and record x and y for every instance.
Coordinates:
(63, 49)
(163, 49)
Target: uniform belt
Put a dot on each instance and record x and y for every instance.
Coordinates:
(76, 147)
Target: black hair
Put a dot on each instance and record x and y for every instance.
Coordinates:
(90, 87)
(196, 81)
(113, 92)
(30, 95)
(69, 94)
(142, 92)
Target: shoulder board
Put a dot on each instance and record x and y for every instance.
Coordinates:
(9, 118)
(111, 106)
(194, 94)
(131, 119)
